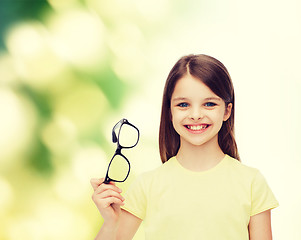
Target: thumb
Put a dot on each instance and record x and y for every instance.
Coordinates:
(95, 182)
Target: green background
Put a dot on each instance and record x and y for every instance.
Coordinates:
(70, 69)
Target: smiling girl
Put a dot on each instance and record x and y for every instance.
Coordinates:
(202, 190)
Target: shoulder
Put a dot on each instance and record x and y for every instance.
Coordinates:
(241, 170)
(237, 165)
(252, 180)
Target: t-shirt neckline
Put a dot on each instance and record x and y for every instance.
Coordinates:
(214, 168)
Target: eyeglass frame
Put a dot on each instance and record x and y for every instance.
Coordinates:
(115, 139)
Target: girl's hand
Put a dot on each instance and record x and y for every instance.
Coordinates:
(107, 199)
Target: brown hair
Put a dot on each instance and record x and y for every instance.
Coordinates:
(214, 75)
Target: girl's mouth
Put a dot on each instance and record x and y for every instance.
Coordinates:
(197, 127)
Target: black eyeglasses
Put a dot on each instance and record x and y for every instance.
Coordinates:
(127, 137)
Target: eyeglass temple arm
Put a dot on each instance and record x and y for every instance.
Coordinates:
(114, 137)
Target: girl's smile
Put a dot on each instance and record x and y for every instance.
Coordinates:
(196, 129)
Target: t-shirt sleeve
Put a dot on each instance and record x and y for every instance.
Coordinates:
(135, 198)
(262, 196)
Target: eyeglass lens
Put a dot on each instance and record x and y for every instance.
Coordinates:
(128, 135)
(119, 168)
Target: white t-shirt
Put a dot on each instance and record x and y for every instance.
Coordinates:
(176, 203)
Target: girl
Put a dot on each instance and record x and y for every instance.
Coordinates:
(201, 191)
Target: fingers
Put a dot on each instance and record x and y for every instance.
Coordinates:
(108, 191)
(104, 187)
(111, 201)
(106, 197)
(106, 194)
(96, 182)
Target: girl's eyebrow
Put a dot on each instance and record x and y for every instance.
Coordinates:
(213, 98)
(179, 99)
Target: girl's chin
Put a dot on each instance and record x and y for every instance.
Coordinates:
(198, 141)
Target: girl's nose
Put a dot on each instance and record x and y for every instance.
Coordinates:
(196, 114)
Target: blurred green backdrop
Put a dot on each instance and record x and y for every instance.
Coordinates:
(70, 69)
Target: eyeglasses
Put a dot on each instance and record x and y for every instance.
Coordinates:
(127, 137)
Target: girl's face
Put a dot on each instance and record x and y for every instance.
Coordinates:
(197, 112)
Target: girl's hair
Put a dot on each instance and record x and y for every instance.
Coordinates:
(214, 75)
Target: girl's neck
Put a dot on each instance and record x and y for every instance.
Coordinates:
(199, 158)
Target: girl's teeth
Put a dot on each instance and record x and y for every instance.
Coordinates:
(197, 127)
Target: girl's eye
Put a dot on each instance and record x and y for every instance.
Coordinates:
(183, 105)
(210, 104)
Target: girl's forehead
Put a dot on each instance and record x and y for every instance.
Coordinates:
(191, 87)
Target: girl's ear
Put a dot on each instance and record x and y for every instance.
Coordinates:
(228, 112)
